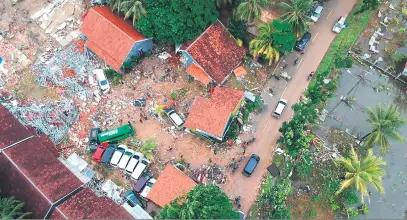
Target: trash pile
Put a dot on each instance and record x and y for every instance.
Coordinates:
(209, 174)
(66, 68)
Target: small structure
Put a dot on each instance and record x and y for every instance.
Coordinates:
(240, 72)
(171, 183)
(211, 117)
(112, 38)
(213, 55)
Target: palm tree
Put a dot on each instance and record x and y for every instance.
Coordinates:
(250, 9)
(115, 5)
(263, 44)
(220, 3)
(296, 15)
(361, 172)
(385, 124)
(133, 8)
(11, 209)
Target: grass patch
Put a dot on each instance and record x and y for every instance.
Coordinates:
(113, 76)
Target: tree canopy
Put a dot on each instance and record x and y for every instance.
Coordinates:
(11, 208)
(176, 21)
(283, 36)
(203, 202)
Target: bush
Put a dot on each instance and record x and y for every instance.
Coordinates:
(344, 63)
(173, 95)
(113, 76)
(233, 131)
(128, 65)
(238, 29)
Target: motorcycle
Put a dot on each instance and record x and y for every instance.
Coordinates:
(310, 76)
(245, 143)
(284, 66)
(296, 61)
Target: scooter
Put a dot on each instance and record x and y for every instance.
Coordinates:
(310, 76)
(296, 61)
(284, 66)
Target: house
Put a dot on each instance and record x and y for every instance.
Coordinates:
(211, 117)
(171, 183)
(212, 56)
(112, 38)
(30, 171)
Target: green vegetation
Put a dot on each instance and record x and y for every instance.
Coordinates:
(148, 148)
(238, 29)
(369, 5)
(10, 208)
(233, 131)
(134, 9)
(203, 202)
(221, 3)
(250, 10)
(297, 15)
(273, 196)
(128, 65)
(113, 76)
(360, 172)
(176, 21)
(179, 93)
(385, 124)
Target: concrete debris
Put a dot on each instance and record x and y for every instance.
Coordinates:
(50, 69)
(209, 174)
(52, 119)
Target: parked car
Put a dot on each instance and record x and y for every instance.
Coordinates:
(141, 102)
(251, 165)
(139, 185)
(148, 187)
(300, 45)
(117, 155)
(93, 139)
(175, 119)
(140, 168)
(97, 156)
(126, 158)
(132, 198)
(107, 155)
(133, 162)
(339, 25)
(317, 13)
(102, 81)
(282, 103)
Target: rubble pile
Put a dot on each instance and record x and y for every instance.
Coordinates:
(209, 174)
(52, 119)
(67, 69)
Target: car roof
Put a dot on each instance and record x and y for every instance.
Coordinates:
(280, 108)
(251, 164)
(318, 9)
(176, 118)
(283, 100)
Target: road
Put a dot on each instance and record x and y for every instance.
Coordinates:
(267, 127)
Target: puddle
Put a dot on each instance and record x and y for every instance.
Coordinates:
(393, 203)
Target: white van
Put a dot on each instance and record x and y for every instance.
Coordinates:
(339, 25)
(141, 166)
(317, 13)
(117, 155)
(279, 108)
(176, 119)
(101, 80)
(127, 155)
(133, 162)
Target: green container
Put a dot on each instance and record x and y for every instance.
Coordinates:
(117, 134)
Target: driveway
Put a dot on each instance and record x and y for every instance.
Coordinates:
(267, 126)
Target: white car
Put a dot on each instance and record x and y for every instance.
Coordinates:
(140, 168)
(125, 158)
(101, 80)
(282, 103)
(147, 188)
(317, 13)
(176, 119)
(133, 162)
(339, 25)
(117, 155)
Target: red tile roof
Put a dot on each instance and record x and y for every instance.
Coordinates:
(110, 37)
(171, 184)
(211, 115)
(38, 163)
(11, 130)
(198, 73)
(240, 71)
(217, 52)
(86, 205)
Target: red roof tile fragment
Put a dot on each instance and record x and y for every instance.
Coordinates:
(217, 52)
(212, 115)
(240, 71)
(171, 183)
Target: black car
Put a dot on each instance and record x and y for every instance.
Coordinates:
(300, 45)
(251, 165)
(107, 155)
(132, 198)
(93, 139)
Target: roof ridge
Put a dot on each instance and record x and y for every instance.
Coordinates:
(114, 24)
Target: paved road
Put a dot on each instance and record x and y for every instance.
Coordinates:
(267, 126)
